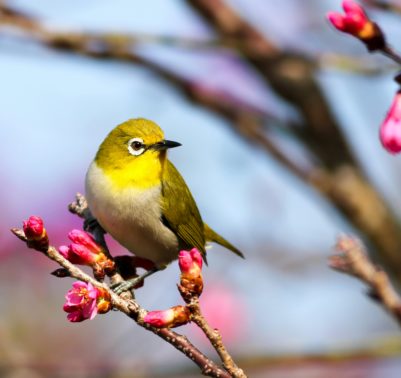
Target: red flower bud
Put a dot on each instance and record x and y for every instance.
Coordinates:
(190, 262)
(353, 21)
(390, 129)
(81, 255)
(357, 23)
(173, 317)
(33, 228)
(85, 251)
(191, 283)
(84, 239)
(36, 233)
(78, 254)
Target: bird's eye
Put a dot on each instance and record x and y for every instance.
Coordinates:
(136, 146)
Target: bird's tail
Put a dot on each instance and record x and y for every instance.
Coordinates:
(213, 236)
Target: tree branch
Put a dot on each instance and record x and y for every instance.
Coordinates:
(133, 310)
(354, 64)
(293, 77)
(246, 120)
(214, 337)
(352, 259)
(80, 208)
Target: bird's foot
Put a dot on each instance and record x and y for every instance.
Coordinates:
(132, 283)
(127, 285)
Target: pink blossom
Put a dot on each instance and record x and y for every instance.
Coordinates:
(33, 228)
(390, 129)
(173, 317)
(81, 302)
(84, 239)
(190, 262)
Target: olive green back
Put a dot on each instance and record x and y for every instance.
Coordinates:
(182, 216)
(180, 212)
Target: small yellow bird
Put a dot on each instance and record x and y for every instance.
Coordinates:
(139, 198)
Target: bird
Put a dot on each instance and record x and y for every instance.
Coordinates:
(139, 197)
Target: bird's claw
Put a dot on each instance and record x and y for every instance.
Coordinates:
(132, 283)
(127, 285)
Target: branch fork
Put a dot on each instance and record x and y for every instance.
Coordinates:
(352, 259)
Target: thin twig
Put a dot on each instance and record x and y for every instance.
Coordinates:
(12, 17)
(392, 54)
(352, 259)
(230, 24)
(132, 309)
(214, 337)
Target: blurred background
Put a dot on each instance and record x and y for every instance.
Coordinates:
(278, 115)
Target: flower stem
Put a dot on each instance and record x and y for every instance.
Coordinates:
(392, 54)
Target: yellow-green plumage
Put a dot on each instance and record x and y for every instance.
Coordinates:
(142, 200)
(182, 215)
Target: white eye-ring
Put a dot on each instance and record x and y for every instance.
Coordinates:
(136, 146)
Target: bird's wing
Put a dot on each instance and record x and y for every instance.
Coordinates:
(211, 235)
(180, 212)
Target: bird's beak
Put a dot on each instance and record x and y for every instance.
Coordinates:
(164, 145)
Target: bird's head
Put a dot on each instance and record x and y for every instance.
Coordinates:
(134, 151)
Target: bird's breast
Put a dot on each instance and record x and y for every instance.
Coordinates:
(132, 216)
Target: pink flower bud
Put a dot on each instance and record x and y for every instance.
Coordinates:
(33, 228)
(85, 251)
(190, 262)
(84, 239)
(173, 317)
(85, 255)
(78, 254)
(390, 129)
(337, 20)
(353, 21)
(84, 301)
(64, 251)
(36, 234)
(357, 23)
(191, 282)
